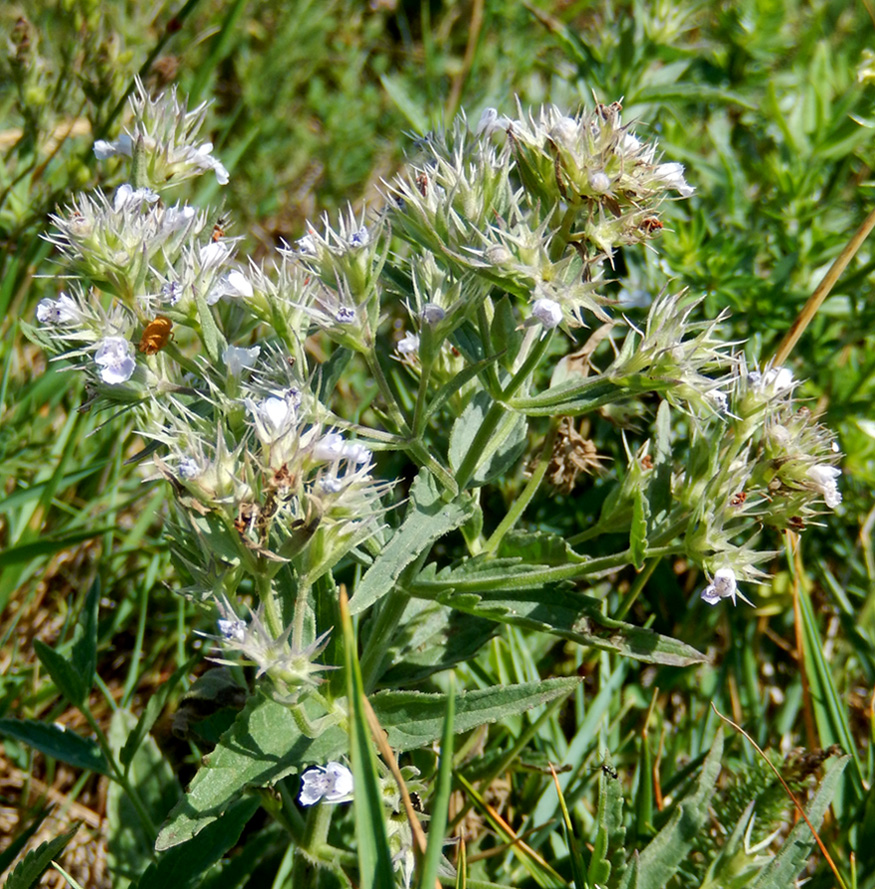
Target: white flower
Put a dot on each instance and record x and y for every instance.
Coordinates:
(332, 448)
(344, 315)
(723, 586)
(360, 238)
(201, 158)
(357, 453)
(126, 195)
(329, 448)
(491, 122)
(232, 630)
(565, 132)
(408, 344)
(188, 468)
(234, 284)
(306, 245)
(115, 356)
(238, 359)
(62, 310)
(673, 176)
(773, 382)
(599, 181)
(824, 478)
(331, 783)
(548, 312)
(177, 218)
(274, 416)
(123, 145)
(629, 144)
(214, 253)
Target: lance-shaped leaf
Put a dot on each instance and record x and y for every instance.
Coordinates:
(428, 518)
(560, 612)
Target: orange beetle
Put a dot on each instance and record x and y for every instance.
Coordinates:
(155, 335)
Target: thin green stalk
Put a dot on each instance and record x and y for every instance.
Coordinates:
(392, 407)
(521, 502)
(479, 450)
(633, 594)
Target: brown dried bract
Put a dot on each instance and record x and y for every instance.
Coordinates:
(572, 454)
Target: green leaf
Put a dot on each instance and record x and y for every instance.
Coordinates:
(608, 847)
(57, 742)
(658, 863)
(374, 856)
(188, 864)
(560, 612)
(27, 552)
(37, 861)
(440, 803)
(428, 519)
(786, 866)
(432, 638)
(500, 452)
(638, 530)
(63, 673)
(265, 744)
(660, 486)
(830, 711)
(84, 651)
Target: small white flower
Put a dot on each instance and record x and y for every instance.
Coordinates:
(62, 310)
(491, 122)
(202, 158)
(331, 783)
(125, 195)
(234, 284)
(214, 253)
(824, 478)
(673, 176)
(115, 356)
(629, 144)
(238, 359)
(599, 181)
(232, 630)
(329, 448)
(723, 586)
(177, 218)
(274, 417)
(773, 382)
(171, 291)
(188, 468)
(408, 345)
(360, 238)
(345, 315)
(565, 132)
(548, 312)
(123, 145)
(306, 245)
(357, 453)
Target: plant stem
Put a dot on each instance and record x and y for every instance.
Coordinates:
(522, 501)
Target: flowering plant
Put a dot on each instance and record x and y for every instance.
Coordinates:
(459, 299)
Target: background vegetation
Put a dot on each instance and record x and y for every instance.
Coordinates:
(768, 103)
